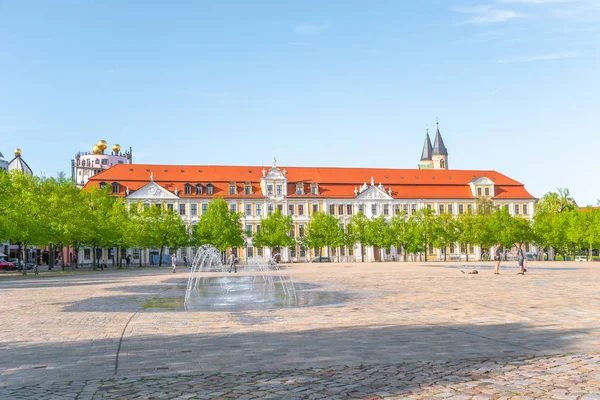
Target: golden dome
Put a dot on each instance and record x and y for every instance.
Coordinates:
(102, 145)
(116, 148)
(18, 152)
(96, 149)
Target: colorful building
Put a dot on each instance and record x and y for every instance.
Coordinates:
(255, 191)
(87, 164)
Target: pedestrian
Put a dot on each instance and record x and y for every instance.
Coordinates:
(127, 261)
(497, 259)
(185, 261)
(520, 259)
(174, 262)
(231, 260)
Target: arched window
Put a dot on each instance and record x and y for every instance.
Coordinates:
(198, 188)
(232, 188)
(102, 185)
(115, 187)
(442, 163)
(187, 189)
(209, 189)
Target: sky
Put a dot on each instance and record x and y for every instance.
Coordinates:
(514, 83)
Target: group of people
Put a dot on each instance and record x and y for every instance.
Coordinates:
(520, 258)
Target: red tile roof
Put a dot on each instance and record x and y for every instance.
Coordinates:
(333, 182)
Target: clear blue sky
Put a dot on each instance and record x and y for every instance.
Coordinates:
(515, 83)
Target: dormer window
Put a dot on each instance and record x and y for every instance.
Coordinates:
(102, 185)
(279, 190)
(232, 188)
(209, 189)
(115, 187)
(299, 188)
(479, 192)
(198, 188)
(187, 189)
(487, 191)
(314, 189)
(270, 190)
(247, 188)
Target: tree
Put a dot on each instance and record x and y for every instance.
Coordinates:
(275, 231)
(378, 233)
(163, 228)
(97, 229)
(465, 224)
(446, 232)
(549, 228)
(358, 232)
(323, 230)
(400, 233)
(219, 227)
(425, 219)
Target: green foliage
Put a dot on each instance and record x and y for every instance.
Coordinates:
(275, 231)
(323, 230)
(219, 227)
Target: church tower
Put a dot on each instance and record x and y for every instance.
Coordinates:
(439, 157)
(426, 161)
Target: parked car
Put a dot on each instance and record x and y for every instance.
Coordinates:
(581, 258)
(320, 260)
(7, 266)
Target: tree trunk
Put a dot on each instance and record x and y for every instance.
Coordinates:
(22, 264)
(93, 257)
(160, 257)
(404, 253)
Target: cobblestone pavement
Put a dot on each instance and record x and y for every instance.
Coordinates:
(384, 330)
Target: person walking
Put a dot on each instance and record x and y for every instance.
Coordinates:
(231, 261)
(497, 259)
(174, 262)
(185, 261)
(520, 259)
(127, 261)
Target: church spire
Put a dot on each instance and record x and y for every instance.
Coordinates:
(438, 144)
(426, 154)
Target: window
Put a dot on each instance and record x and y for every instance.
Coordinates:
(248, 210)
(386, 209)
(87, 254)
(478, 191)
(301, 230)
(302, 251)
(487, 191)
(405, 209)
(441, 208)
(291, 209)
(300, 209)
(204, 208)
(248, 190)
(249, 230)
(198, 189)
(187, 189)
(279, 190)
(452, 249)
(461, 208)
(516, 209)
(270, 190)
(314, 189)
(259, 210)
(374, 209)
(170, 207)
(97, 161)
(105, 161)
(299, 188)
(450, 209)
(270, 209)
(102, 185)
(182, 209)
(413, 208)
(315, 207)
(340, 209)
(396, 209)
(293, 252)
(525, 209)
(332, 209)
(361, 209)
(259, 251)
(209, 189)
(194, 209)
(470, 208)
(232, 188)
(292, 233)
(280, 208)
(232, 207)
(250, 251)
(429, 206)
(257, 228)
(348, 209)
(115, 187)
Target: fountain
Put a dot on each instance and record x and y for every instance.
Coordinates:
(259, 282)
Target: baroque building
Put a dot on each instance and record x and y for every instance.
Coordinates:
(255, 191)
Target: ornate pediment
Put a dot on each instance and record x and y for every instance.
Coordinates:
(151, 191)
(374, 193)
(482, 181)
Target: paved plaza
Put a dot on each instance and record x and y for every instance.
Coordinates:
(377, 331)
